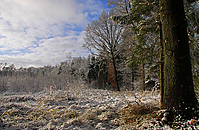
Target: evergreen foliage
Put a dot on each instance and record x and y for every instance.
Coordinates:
(142, 16)
(93, 70)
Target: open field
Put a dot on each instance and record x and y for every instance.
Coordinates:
(80, 108)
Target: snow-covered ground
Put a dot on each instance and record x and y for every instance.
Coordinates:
(73, 109)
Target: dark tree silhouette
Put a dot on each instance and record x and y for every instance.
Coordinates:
(179, 95)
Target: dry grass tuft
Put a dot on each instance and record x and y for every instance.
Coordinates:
(135, 112)
(89, 115)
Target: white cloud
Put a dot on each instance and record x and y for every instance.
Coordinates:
(41, 32)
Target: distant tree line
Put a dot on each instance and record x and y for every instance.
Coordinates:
(33, 79)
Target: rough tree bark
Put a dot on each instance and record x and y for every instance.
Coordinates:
(161, 64)
(179, 92)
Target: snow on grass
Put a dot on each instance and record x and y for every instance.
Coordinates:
(77, 108)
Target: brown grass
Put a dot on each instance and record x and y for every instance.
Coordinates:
(134, 113)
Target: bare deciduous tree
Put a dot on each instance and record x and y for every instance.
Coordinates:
(121, 6)
(104, 38)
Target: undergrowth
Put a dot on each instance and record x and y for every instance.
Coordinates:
(136, 113)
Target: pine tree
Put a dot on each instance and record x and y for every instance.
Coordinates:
(93, 70)
(103, 73)
(192, 15)
(141, 17)
(153, 21)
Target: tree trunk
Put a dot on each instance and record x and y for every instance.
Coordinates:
(179, 92)
(115, 72)
(161, 65)
(143, 77)
(132, 79)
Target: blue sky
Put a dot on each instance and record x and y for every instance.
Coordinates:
(41, 32)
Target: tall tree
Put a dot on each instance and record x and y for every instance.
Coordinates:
(153, 16)
(141, 17)
(179, 92)
(122, 8)
(104, 38)
(192, 15)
